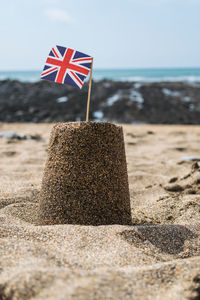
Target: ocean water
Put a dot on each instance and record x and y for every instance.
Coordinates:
(138, 75)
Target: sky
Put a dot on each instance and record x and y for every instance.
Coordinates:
(117, 33)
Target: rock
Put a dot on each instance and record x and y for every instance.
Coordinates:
(173, 179)
(191, 192)
(181, 149)
(195, 166)
(190, 158)
(36, 137)
(162, 103)
(197, 180)
(11, 135)
(174, 188)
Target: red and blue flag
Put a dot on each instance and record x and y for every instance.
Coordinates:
(67, 66)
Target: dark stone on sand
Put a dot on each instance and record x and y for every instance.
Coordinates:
(197, 180)
(195, 166)
(191, 192)
(174, 188)
(12, 135)
(173, 179)
(190, 158)
(85, 179)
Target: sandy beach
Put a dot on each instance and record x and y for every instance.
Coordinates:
(157, 257)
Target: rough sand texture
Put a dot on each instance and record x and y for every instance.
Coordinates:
(156, 258)
(85, 180)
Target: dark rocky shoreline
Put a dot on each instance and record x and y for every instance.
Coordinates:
(121, 102)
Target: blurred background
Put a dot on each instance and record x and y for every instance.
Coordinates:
(146, 60)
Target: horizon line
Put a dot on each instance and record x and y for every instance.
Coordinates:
(113, 69)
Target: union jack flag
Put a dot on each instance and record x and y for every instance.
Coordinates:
(67, 66)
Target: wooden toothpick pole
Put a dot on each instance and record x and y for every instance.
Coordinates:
(89, 92)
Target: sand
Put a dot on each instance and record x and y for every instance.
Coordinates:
(157, 257)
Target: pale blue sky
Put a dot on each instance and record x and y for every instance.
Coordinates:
(118, 33)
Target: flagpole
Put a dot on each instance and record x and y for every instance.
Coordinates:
(89, 92)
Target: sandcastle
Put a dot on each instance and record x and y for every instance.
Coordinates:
(85, 179)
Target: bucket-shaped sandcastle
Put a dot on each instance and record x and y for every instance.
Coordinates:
(85, 179)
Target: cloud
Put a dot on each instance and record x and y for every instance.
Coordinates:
(59, 15)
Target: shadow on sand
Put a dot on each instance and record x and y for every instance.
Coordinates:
(167, 238)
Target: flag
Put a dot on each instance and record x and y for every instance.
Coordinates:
(67, 66)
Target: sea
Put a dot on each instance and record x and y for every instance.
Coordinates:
(190, 75)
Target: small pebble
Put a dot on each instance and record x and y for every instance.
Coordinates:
(174, 188)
